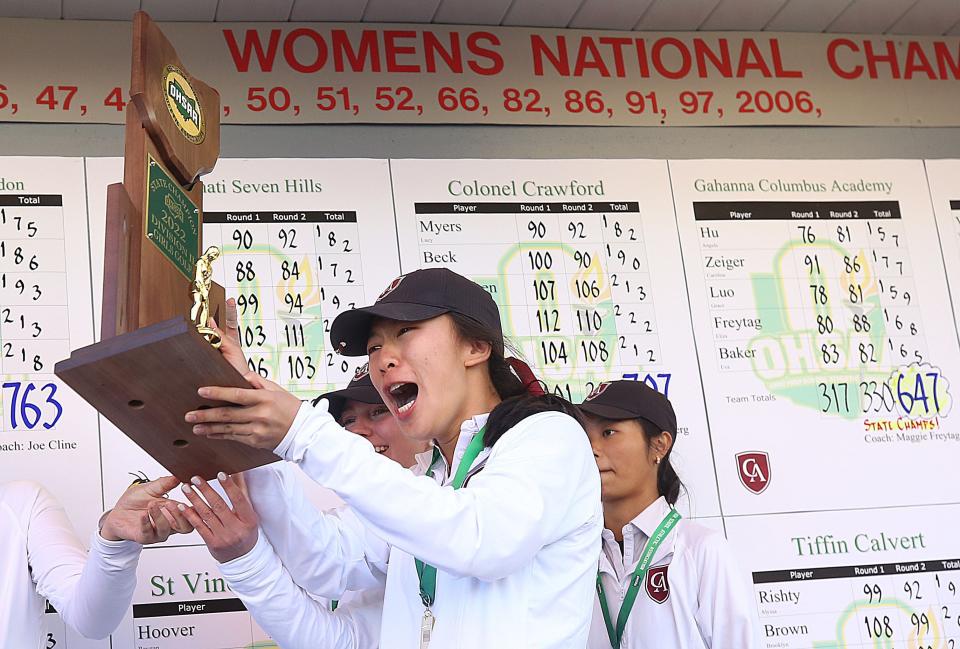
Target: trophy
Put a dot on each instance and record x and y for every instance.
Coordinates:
(144, 373)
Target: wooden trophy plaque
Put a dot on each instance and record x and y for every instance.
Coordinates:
(144, 373)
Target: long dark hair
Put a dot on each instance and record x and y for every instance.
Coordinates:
(517, 403)
(668, 482)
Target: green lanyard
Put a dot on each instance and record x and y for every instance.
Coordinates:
(654, 542)
(426, 572)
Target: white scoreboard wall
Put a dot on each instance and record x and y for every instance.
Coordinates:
(799, 314)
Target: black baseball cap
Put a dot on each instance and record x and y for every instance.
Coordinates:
(626, 399)
(420, 295)
(359, 389)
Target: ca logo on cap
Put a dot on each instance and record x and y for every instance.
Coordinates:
(754, 470)
(362, 371)
(390, 289)
(597, 391)
(183, 104)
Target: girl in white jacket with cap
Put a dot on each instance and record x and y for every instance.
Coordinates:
(495, 543)
(663, 581)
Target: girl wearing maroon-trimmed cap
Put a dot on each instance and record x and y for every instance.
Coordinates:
(663, 581)
(359, 408)
(495, 542)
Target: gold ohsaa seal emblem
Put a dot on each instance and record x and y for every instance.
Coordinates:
(183, 104)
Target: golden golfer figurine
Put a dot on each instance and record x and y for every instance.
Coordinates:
(200, 313)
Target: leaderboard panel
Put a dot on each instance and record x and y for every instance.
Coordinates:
(582, 258)
(945, 194)
(861, 578)
(818, 300)
(302, 240)
(45, 312)
(182, 602)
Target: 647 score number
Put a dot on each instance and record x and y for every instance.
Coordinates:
(915, 391)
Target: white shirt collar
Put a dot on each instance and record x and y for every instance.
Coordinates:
(468, 429)
(635, 534)
(424, 459)
(648, 520)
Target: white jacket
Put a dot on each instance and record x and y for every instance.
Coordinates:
(40, 557)
(694, 596)
(516, 549)
(281, 580)
(293, 618)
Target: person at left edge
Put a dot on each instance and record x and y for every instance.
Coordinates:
(493, 541)
(663, 581)
(42, 559)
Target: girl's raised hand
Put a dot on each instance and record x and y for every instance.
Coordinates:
(228, 532)
(143, 514)
(261, 418)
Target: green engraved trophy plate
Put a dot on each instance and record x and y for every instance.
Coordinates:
(172, 220)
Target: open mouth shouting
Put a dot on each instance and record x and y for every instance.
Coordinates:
(404, 396)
